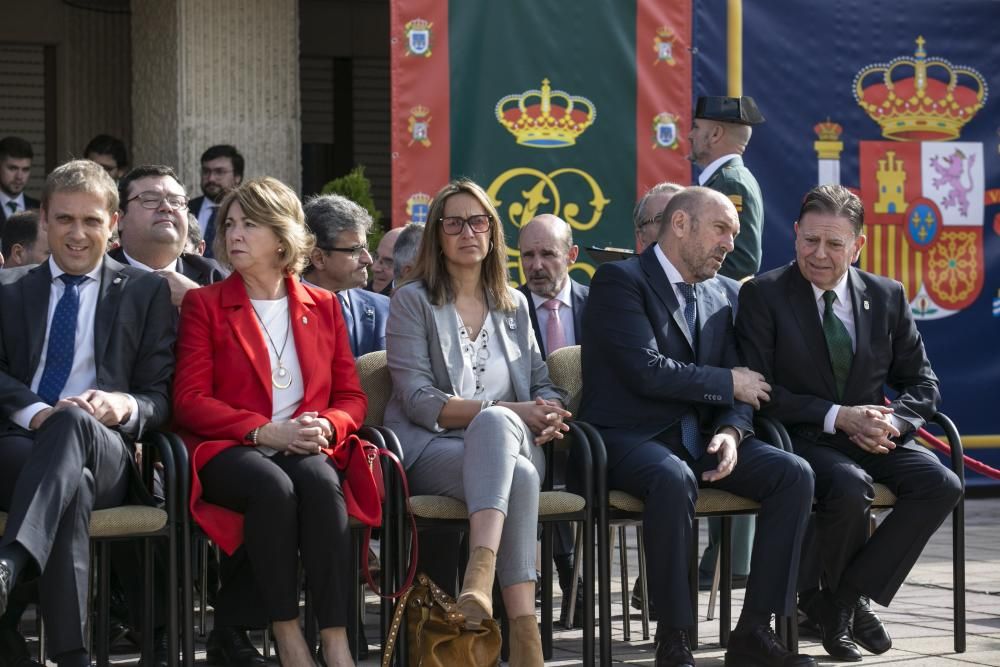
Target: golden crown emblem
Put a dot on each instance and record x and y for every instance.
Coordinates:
(828, 130)
(546, 118)
(920, 98)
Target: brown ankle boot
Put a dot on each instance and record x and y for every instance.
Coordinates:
(476, 598)
(525, 643)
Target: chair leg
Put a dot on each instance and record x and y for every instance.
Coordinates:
(577, 565)
(958, 572)
(41, 636)
(546, 584)
(203, 598)
(693, 583)
(267, 642)
(103, 576)
(641, 546)
(623, 566)
(726, 585)
(715, 588)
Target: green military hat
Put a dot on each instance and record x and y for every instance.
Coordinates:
(742, 110)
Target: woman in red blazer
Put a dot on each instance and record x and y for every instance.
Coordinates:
(265, 394)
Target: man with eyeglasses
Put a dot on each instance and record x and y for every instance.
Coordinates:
(153, 230)
(221, 171)
(339, 263)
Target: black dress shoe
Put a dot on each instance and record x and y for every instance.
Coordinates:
(636, 601)
(867, 629)
(835, 629)
(14, 650)
(231, 647)
(6, 583)
(160, 652)
(673, 650)
(760, 648)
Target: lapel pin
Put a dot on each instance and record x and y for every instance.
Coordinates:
(866, 305)
(369, 312)
(511, 324)
(117, 280)
(305, 320)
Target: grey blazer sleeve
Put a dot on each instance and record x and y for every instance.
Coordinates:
(410, 332)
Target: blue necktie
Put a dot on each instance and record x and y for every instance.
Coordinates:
(209, 231)
(345, 307)
(690, 436)
(62, 341)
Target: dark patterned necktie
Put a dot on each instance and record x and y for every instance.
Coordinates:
(838, 342)
(690, 436)
(209, 231)
(62, 341)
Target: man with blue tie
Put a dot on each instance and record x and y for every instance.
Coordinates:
(339, 263)
(86, 360)
(663, 385)
(221, 171)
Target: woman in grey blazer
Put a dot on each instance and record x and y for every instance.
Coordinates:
(472, 402)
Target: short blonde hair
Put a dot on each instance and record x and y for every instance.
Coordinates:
(269, 202)
(81, 176)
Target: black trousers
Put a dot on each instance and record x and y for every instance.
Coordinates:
(838, 545)
(292, 506)
(50, 481)
(667, 480)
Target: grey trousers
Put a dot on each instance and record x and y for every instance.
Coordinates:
(496, 466)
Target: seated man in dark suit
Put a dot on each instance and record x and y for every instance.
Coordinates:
(340, 263)
(153, 231)
(830, 338)
(663, 385)
(86, 360)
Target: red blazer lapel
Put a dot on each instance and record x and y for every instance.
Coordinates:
(306, 332)
(243, 322)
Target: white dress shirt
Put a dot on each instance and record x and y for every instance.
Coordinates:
(713, 167)
(543, 314)
(673, 275)
(175, 266)
(83, 374)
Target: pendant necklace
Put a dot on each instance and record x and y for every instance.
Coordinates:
(281, 377)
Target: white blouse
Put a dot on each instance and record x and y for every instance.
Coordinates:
(485, 375)
(277, 324)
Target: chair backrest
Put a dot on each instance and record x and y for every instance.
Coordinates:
(376, 383)
(565, 371)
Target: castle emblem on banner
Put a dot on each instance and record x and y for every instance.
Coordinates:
(545, 118)
(663, 45)
(665, 131)
(418, 125)
(923, 191)
(418, 38)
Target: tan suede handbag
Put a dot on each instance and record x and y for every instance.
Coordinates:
(436, 632)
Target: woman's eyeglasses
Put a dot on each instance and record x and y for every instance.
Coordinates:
(453, 225)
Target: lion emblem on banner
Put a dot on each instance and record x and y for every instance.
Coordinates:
(923, 191)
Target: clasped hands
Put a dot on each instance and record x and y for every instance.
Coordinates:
(305, 434)
(545, 418)
(109, 408)
(869, 427)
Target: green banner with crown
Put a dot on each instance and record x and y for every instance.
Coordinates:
(572, 109)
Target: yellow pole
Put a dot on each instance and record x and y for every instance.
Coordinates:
(734, 52)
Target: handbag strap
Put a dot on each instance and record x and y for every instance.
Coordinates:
(412, 569)
(397, 621)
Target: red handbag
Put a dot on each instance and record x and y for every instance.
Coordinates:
(364, 492)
